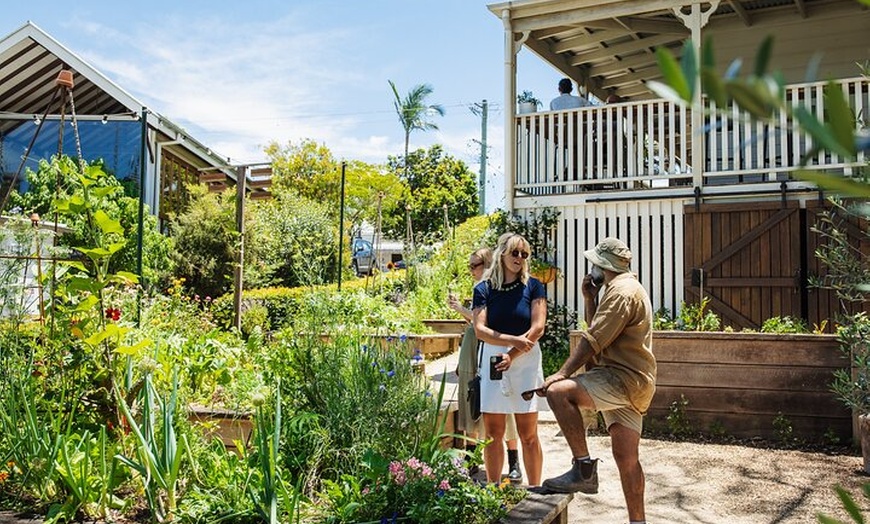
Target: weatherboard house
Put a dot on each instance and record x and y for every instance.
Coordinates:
(136, 143)
(708, 202)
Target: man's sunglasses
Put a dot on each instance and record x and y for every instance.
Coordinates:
(527, 395)
(517, 253)
(472, 267)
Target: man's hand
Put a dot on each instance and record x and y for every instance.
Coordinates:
(590, 291)
(549, 381)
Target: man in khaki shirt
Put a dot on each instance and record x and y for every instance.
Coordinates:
(617, 347)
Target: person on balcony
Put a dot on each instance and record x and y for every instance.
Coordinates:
(566, 100)
(510, 314)
(621, 383)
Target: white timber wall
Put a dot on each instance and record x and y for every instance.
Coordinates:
(653, 230)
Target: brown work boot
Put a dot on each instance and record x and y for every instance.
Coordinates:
(582, 477)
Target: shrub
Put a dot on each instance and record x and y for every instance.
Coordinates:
(784, 325)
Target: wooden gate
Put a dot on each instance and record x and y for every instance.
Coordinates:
(754, 261)
(747, 258)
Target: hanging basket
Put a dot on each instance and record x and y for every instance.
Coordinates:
(546, 274)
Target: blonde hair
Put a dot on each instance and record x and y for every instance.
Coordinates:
(506, 243)
(485, 256)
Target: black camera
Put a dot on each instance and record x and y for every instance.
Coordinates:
(495, 374)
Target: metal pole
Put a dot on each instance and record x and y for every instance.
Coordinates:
(140, 227)
(483, 112)
(241, 172)
(341, 226)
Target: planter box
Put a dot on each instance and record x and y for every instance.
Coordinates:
(446, 326)
(430, 346)
(740, 382)
(229, 426)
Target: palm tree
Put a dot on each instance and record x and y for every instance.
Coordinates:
(412, 111)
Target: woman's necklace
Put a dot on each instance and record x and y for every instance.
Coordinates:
(513, 285)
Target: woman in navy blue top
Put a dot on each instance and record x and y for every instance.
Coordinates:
(510, 313)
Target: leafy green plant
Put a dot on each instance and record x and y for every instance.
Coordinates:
(555, 344)
(663, 320)
(527, 97)
(537, 228)
(694, 317)
(88, 468)
(852, 386)
(331, 379)
(784, 324)
(677, 418)
(159, 452)
(784, 430)
(414, 490)
(848, 269)
(31, 435)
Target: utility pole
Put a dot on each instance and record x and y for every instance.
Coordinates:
(482, 110)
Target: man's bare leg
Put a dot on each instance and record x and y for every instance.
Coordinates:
(625, 444)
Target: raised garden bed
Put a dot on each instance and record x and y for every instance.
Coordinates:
(740, 383)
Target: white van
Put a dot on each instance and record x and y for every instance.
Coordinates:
(364, 259)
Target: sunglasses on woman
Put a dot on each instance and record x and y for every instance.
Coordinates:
(517, 253)
(472, 267)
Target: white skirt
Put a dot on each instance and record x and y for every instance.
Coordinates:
(504, 396)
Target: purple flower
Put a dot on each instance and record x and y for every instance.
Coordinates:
(403, 338)
(391, 373)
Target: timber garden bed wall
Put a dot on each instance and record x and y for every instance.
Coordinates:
(739, 383)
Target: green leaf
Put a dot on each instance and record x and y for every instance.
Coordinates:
(76, 264)
(708, 58)
(95, 253)
(836, 183)
(665, 91)
(107, 224)
(821, 134)
(749, 99)
(714, 88)
(672, 73)
(83, 283)
(87, 303)
(116, 246)
(102, 192)
(125, 277)
(689, 67)
(134, 350)
(840, 117)
(849, 505)
(762, 57)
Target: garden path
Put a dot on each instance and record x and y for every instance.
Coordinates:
(691, 483)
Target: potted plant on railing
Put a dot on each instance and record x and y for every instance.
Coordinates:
(527, 103)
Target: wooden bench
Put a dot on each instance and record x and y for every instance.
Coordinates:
(540, 507)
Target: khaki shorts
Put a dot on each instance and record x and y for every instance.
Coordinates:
(610, 398)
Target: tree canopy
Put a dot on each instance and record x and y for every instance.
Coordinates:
(435, 179)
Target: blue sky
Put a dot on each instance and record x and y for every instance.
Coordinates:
(238, 75)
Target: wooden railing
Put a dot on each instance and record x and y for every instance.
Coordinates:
(649, 145)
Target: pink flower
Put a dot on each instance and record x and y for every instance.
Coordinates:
(444, 485)
(414, 463)
(426, 471)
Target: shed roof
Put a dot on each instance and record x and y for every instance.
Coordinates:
(30, 61)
